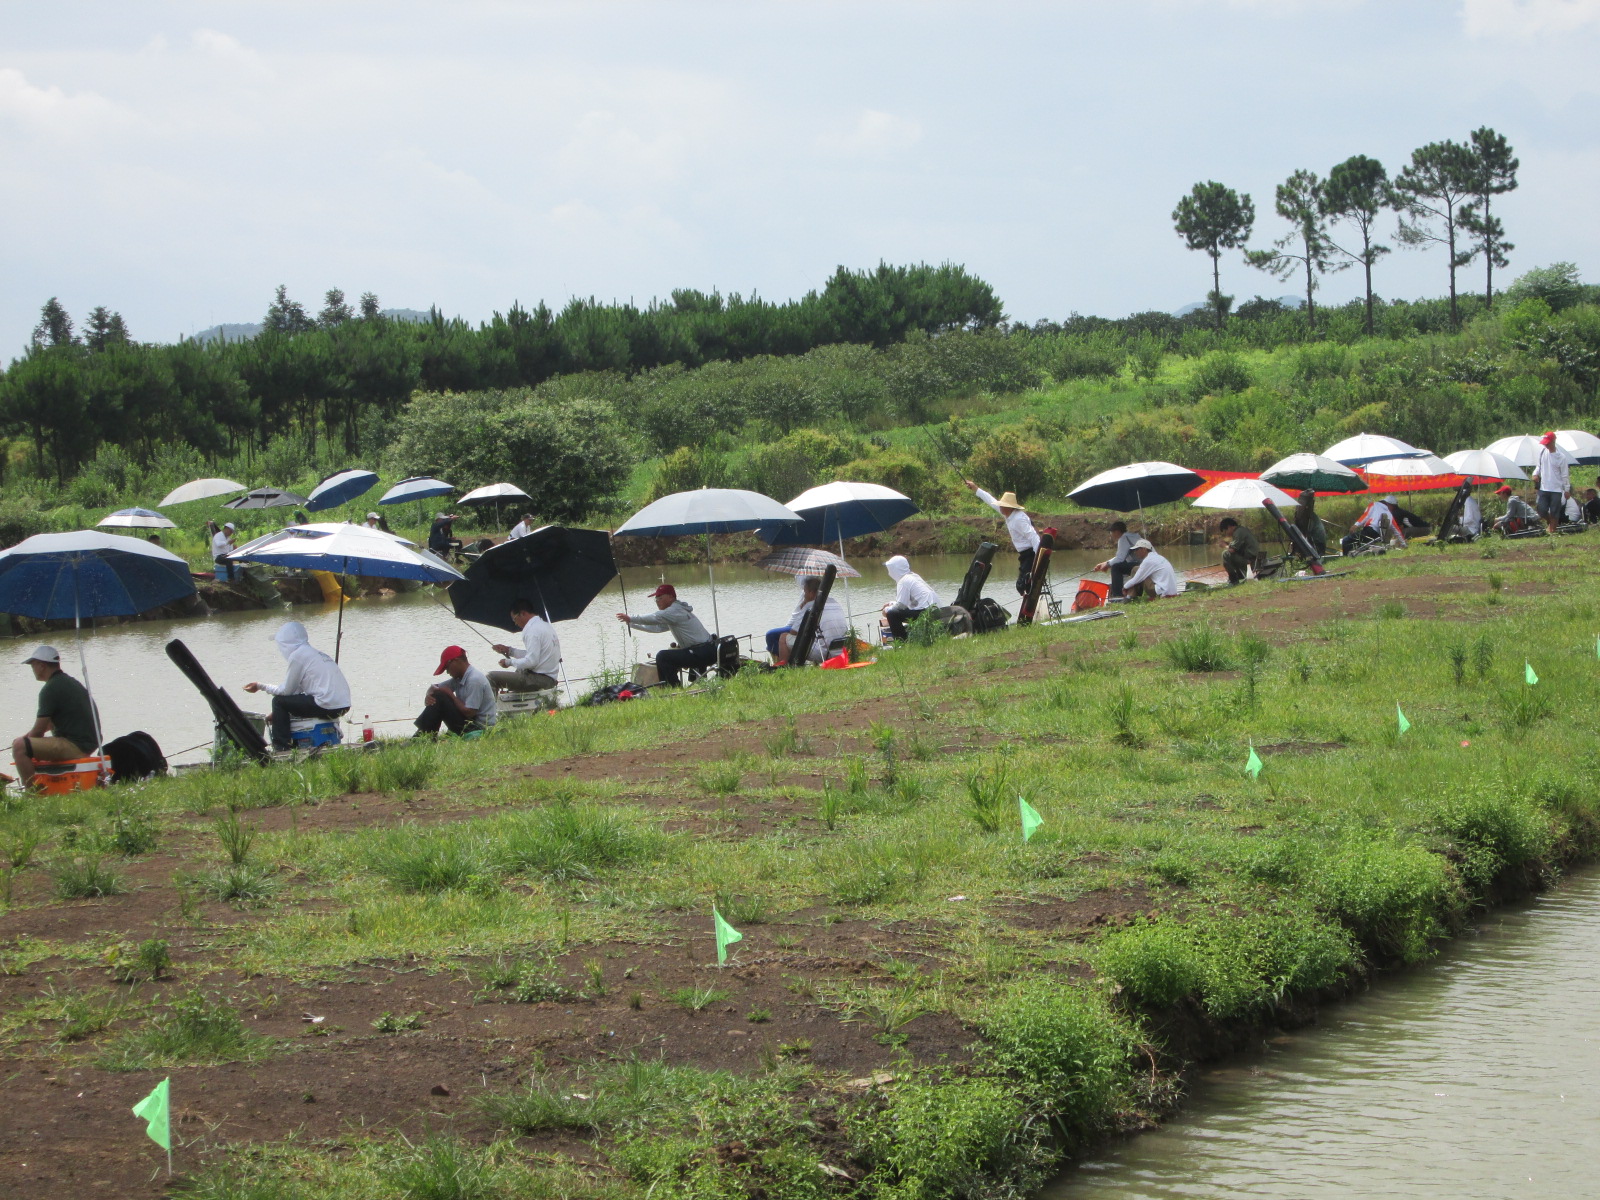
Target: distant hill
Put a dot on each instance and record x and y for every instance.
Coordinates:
(1286, 301)
(239, 333)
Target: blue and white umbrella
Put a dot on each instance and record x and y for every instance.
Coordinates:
(707, 511)
(136, 518)
(418, 487)
(346, 550)
(340, 488)
(52, 576)
(836, 511)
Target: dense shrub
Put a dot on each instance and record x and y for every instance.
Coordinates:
(1220, 372)
(1490, 832)
(1009, 460)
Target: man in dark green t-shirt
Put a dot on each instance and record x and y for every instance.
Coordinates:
(65, 728)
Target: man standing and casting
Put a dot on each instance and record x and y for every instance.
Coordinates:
(1243, 552)
(695, 650)
(463, 703)
(1024, 537)
(65, 728)
(1553, 472)
(535, 669)
(314, 687)
(1122, 561)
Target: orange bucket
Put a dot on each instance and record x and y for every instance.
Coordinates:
(1091, 594)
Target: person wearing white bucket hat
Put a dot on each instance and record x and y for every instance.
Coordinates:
(65, 727)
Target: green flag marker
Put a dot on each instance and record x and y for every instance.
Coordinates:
(156, 1112)
(1252, 765)
(1031, 820)
(1527, 673)
(727, 935)
(1400, 720)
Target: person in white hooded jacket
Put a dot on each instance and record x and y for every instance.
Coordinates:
(314, 687)
(912, 596)
(695, 650)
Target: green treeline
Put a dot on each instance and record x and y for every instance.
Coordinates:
(330, 375)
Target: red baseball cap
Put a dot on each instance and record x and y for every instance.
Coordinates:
(450, 652)
(1549, 438)
(666, 589)
(1503, 490)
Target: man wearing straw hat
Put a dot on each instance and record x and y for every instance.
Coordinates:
(1024, 537)
(65, 728)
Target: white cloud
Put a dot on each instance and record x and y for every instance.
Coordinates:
(1527, 18)
(875, 134)
(51, 109)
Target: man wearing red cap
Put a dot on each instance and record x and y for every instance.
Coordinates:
(462, 703)
(695, 649)
(1553, 473)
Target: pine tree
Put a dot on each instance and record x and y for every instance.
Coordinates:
(1356, 192)
(55, 326)
(1215, 218)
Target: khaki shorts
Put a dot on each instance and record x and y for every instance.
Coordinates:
(53, 749)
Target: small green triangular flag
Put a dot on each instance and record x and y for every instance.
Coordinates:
(1400, 719)
(726, 935)
(1031, 820)
(154, 1109)
(1252, 765)
(1527, 673)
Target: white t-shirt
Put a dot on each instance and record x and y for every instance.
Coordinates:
(519, 530)
(1163, 579)
(1472, 516)
(221, 543)
(1554, 469)
(541, 649)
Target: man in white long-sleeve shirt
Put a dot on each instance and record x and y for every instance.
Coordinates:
(912, 596)
(534, 669)
(314, 686)
(1154, 576)
(1024, 537)
(696, 649)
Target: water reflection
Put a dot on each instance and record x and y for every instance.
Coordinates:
(1475, 1076)
(391, 645)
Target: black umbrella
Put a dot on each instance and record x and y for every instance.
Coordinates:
(561, 570)
(1136, 485)
(266, 498)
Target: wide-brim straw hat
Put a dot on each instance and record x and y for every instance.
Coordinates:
(1009, 500)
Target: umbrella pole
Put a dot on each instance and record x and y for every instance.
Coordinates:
(716, 621)
(83, 663)
(338, 639)
(849, 608)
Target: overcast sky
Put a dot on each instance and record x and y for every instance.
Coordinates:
(176, 161)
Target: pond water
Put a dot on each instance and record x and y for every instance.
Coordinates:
(392, 644)
(1474, 1077)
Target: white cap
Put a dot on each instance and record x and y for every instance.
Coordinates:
(1143, 544)
(44, 654)
(373, 517)
(229, 525)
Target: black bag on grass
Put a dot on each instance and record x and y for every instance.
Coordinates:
(135, 756)
(987, 616)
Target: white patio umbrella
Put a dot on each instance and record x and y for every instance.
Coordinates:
(1480, 465)
(1583, 447)
(1422, 467)
(706, 511)
(1243, 493)
(1364, 448)
(347, 550)
(136, 518)
(1522, 449)
(494, 493)
(201, 489)
(418, 487)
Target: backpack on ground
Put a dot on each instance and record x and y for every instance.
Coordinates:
(987, 616)
(135, 756)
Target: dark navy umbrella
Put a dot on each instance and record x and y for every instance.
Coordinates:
(836, 511)
(1136, 485)
(52, 576)
(340, 487)
(561, 570)
(418, 487)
